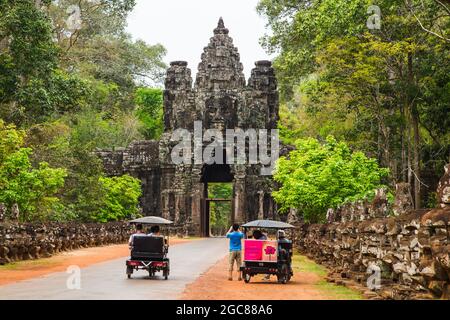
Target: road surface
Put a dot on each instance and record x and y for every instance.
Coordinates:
(107, 281)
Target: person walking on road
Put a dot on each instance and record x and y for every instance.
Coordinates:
(235, 237)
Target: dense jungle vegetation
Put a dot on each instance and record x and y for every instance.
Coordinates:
(375, 75)
(64, 92)
(365, 98)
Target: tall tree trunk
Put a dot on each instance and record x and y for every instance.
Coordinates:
(416, 157)
(416, 135)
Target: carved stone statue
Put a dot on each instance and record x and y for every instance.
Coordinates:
(443, 190)
(2, 212)
(15, 212)
(331, 216)
(403, 199)
(379, 205)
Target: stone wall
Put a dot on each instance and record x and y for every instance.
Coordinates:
(33, 241)
(411, 251)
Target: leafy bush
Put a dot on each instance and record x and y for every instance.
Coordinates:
(150, 111)
(220, 219)
(33, 189)
(320, 176)
(121, 198)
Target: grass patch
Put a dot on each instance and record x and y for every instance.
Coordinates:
(304, 264)
(338, 292)
(27, 264)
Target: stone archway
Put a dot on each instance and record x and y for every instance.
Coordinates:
(215, 173)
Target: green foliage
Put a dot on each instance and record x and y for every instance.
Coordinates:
(220, 212)
(39, 99)
(31, 49)
(150, 112)
(47, 70)
(384, 92)
(70, 143)
(299, 28)
(320, 176)
(33, 189)
(74, 92)
(92, 130)
(28, 57)
(121, 199)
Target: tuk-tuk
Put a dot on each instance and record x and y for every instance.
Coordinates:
(150, 252)
(269, 257)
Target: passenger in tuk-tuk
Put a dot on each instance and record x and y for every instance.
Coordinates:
(258, 235)
(139, 233)
(281, 235)
(155, 231)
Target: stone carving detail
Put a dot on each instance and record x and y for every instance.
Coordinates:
(380, 205)
(443, 190)
(33, 241)
(2, 212)
(411, 250)
(15, 212)
(403, 199)
(220, 99)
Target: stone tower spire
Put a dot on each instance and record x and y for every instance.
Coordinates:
(220, 68)
(221, 28)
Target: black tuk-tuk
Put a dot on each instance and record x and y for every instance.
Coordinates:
(150, 252)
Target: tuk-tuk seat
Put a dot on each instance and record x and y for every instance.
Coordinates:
(149, 247)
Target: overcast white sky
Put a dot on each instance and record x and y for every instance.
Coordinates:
(184, 27)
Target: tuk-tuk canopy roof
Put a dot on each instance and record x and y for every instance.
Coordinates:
(152, 220)
(268, 224)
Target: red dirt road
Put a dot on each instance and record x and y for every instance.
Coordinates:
(214, 285)
(25, 270)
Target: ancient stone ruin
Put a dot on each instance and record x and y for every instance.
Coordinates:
(25, 241)
(409, 250)
(220, 99)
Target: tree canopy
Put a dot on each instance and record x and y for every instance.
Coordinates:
(370, 74)
(71, 79)
(318, 176)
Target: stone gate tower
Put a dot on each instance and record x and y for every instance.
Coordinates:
(220, 99)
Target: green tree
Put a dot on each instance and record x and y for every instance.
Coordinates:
(121, 199)
(71, 143)
(318, 176)
(383, 91)
(150, 112)
(101, 51)
(220, 219)
(34, 190)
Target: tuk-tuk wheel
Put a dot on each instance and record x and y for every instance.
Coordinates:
(129, 272)
(283, 277)
(166, 274)
(247, 277)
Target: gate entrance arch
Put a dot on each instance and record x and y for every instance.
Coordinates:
(220, 98)
(215, 173)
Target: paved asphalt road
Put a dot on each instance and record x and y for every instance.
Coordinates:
(107, 281)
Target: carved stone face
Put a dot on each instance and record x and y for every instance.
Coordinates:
(220, 110)
(446, 196)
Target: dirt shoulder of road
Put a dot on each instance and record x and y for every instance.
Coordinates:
(24, 270)
(308, 283)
